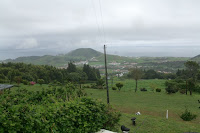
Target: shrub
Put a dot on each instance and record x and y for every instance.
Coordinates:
(143, 89)
(158, 90)
(16, 85)
(119, 85)
(188, 116)
(114, 88)
(171, 87)
(86, 86)
(100, 83)
(182, 91)
(40, 81)
(78, 116)
(171, 90)
(197, 88)
(25, 82)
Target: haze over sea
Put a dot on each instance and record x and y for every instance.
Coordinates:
(133, 51)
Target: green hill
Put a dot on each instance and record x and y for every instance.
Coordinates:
(87, 53)
(196, 58)
(83, 54)
(59, 60)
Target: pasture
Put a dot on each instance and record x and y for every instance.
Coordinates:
(153, 106)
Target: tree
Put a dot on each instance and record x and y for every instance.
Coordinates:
(119, 85)
(18, 79)
(71, 67)
(136, 74)
(40, 81)
(171, 87)
(192, 69)
(73, 77)
(11, 75)
(151, 74)
(92, 73)
(100, 83)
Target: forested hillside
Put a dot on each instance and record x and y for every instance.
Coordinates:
(20, 72)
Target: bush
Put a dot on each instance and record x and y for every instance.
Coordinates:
(86, 86)
(25, 82)
(158, 90)
(171, 87)
(188, 116)
(119, 85)
(182, 91)
(171, 90)
(114, 88)
(197, 89)
(40, 81)
(143, 89)
(16, 86)
(46, 112)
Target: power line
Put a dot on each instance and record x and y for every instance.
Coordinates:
(102, 21)
(98, 26)
(106, 74)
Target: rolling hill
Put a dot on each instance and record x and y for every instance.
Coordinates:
(196, 58)
(83, 54)
(87, 53)
(59, 60)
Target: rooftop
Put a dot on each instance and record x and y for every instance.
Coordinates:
(5, 86)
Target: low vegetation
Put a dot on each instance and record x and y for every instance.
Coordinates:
(54, 110)
(188, 116)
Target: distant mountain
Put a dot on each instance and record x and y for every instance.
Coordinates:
(59, 60)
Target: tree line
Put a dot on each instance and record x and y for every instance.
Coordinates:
(185, 80)
(20, 72)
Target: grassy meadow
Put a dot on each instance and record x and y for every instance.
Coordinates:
(152, 106)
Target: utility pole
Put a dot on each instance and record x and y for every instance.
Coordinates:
(112, 76)
(106, 74)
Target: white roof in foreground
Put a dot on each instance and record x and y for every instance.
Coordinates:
(5, 86)
(105, 131)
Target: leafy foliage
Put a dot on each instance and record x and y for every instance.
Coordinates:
(50, 111)
(171, 87)
(136, 74)
(100, 83)
(119, 85)
(71, 67)
(92, 73)
(143, 89)
(188, 116)
(40, 81)
(114, 88)
(158, 90)
(19, 72)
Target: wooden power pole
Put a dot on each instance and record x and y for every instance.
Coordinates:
(106, 74)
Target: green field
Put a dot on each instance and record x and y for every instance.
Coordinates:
(151, 104)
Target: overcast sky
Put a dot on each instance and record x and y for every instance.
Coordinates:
(127, 27)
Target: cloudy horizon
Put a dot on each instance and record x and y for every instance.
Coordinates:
(129, 28)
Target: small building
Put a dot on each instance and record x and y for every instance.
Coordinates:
(5, 86)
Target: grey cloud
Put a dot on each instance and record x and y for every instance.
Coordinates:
(62, 25)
